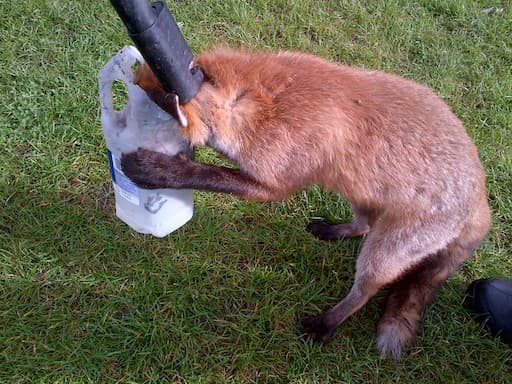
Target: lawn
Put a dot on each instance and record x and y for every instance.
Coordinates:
(84, 299)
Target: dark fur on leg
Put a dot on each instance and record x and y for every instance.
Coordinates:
(331, 232)
(363, 220)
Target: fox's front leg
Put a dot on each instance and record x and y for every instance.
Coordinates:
(151, 170)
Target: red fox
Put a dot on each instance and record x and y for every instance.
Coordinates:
(390, 146)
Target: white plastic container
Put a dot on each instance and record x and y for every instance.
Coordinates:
(141, 123)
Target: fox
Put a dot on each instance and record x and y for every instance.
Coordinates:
(389, 145)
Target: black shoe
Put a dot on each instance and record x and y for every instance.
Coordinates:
(490, 300)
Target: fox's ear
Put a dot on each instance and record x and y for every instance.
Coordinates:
(172, 103)
(169, 102)
(146, 79)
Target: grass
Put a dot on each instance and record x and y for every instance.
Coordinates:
(86, 300)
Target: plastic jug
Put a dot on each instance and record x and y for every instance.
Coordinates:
(141, 123)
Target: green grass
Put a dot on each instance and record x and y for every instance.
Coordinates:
(86, 300)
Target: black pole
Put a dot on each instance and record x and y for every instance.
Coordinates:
(157, 36)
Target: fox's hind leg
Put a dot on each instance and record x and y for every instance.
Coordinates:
(363, 220)
(410, 295)
(391, 248)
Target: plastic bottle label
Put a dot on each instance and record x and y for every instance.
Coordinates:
(123, 185)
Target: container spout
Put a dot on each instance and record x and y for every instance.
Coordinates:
(157, 36)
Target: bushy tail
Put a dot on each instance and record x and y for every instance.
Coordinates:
(410, 295)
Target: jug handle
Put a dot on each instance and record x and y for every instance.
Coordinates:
(119, 68)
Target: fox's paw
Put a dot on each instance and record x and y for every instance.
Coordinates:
(316, 329)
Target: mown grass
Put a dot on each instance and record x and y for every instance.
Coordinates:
(86, 300)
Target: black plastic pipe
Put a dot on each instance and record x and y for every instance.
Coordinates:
(157, 36)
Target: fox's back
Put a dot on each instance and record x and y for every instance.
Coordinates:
(365, 133)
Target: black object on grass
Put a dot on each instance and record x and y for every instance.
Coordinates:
(490, 301)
